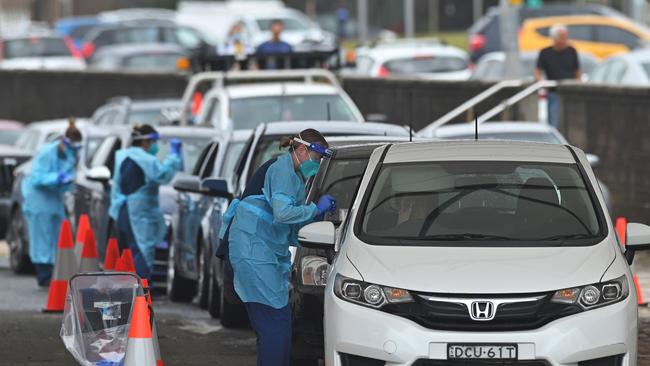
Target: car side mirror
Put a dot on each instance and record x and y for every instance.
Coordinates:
(216, 187)
(318, 235)
(99, 174)
(187, 183)
(594, 160)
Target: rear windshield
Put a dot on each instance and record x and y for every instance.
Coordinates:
(247, 113)
(421, 65)
(35, 47)
(480, 203)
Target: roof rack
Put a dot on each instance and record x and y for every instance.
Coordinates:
(220, 79)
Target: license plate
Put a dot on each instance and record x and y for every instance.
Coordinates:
(482, 351)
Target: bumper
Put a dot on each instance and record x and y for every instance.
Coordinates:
(356, 330)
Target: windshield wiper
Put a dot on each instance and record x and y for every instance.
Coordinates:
(464, 236)
(565, 237)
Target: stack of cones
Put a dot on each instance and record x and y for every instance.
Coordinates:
(112, 255)
(65, 267)
(89, 257)
(125, 263)
(156, 346)
(140, 348)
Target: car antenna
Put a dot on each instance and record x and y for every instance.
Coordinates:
(476, 128)
(329, 117)
(410, 130)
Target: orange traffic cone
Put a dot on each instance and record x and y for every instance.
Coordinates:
(154, 337)
(639, 293)
(112, 254)
(127, 259)
(140, 349)
(84, 224)
(65, 267)
(89, 257)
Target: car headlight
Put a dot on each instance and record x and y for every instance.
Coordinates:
(595, 295)
(368, 294)
(314, 270)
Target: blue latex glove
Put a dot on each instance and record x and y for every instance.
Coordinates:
(64, 178)
(326, 204)
(175, 146)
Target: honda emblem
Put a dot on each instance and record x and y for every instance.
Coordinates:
(482, 310)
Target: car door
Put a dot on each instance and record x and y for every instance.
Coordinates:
(242, 172)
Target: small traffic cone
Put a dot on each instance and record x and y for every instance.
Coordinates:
(89, 257)
(84, 224)
(120, 266)
(127, 259)
(139, 349)
(639, 292)
(65, 267)
(112, 255)
(156, 345)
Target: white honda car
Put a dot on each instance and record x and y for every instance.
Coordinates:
(479, 252)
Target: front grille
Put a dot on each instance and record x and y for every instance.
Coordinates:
(478, 363)
(445, 315)
(616, 360)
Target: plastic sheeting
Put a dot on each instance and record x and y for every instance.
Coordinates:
(97, 316)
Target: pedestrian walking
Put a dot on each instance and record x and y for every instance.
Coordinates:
(557, 62)
(262, 227)
(52, 173)
(135, 205)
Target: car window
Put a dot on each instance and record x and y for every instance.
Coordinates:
(104, 154)
(213, 114)
(247, 113)
(137, 35)
(420, 65)
(153, 115)
(29, 140)
(267, 149)
(342, 181)
(192, 148)
(104, 38)
(616, 72)
(200, 161)
(106, 118)
(232, 156)
(471, 203)
(188, 38)
(581, 32)
(544, 31)
(91, 146)
(290, 24)
(599, 74)
(9, 137)
(80, 31)
(608, 34)
(34, 47)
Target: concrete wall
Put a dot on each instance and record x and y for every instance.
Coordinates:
(38, 95)
(613, 123)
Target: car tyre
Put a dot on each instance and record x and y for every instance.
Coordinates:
(214, 291)
(179, 289)
(18, 240)
(232, 315)
(203, 282)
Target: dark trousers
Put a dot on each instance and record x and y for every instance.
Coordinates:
(126, 239)
(273, 329)
(43, 274)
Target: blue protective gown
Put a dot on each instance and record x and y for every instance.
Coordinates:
(263, 227)
(43, 206)
(143, 205)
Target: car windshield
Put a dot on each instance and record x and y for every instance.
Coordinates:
(10, 137)
(153, 61)
(421, 65)
(35, 47)
(154, 115)
(517, 136)
(290, 24)
(232, 157)
(476, 202)
(247, 113)
(192, 147)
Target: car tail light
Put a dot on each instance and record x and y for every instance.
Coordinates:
(476, 42)
(383, 71)
(87, 50)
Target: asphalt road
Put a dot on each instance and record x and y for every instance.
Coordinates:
(187, 335)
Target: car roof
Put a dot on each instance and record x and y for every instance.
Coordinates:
(6, 125)
(339, 128)
(276, 89)
(482, 150)
(56, 125)
(492, 127)
(194, 131)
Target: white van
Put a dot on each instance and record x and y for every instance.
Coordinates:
(475, 252)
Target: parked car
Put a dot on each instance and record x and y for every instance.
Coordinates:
(35, 135)
(93, 182)
(10, 158)
(478, 251)
(485, 34)
(127, 112)
(143, 31)
(599, 35)
(625, 69)
(427, 59)
(244, 99)
(330, 23)
(491, 67)
(10, 131)
(517, 131)
(40, 51)
(195, 241)
(75, 29)
(148, 57)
